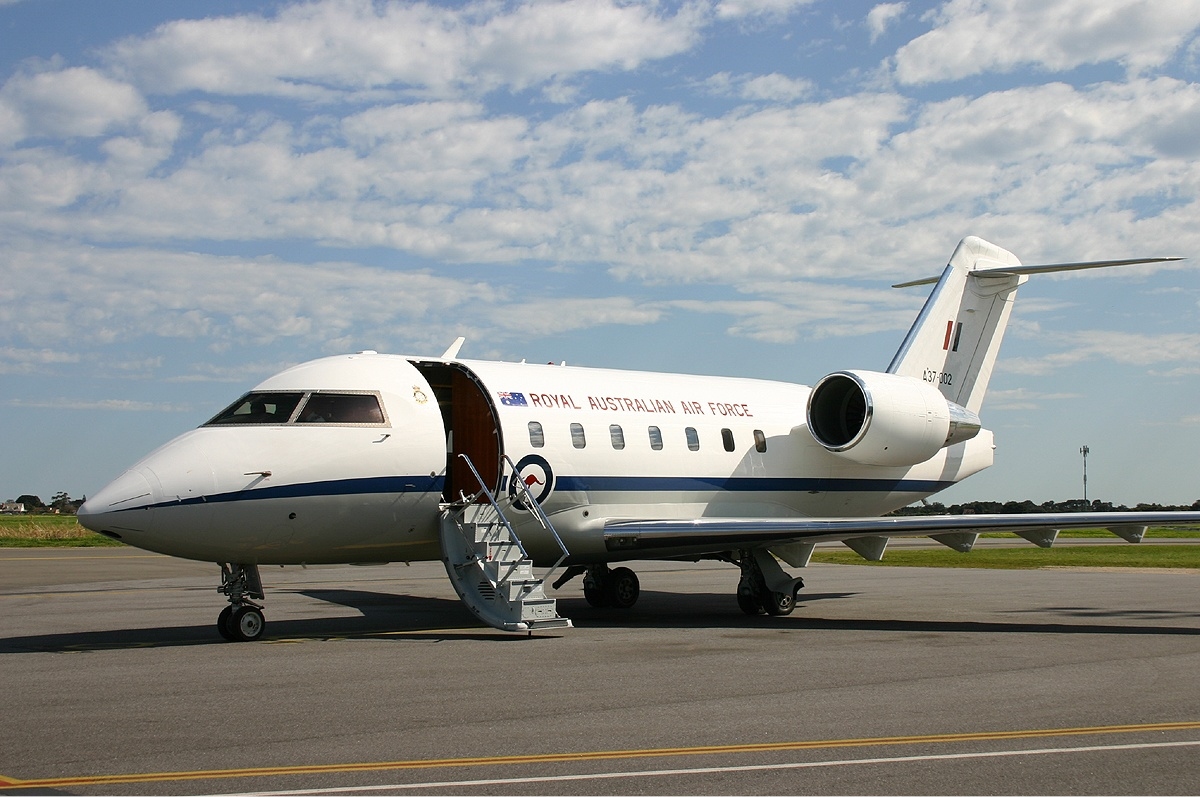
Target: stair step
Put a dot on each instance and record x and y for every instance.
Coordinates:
(501, 570)
(491, 572)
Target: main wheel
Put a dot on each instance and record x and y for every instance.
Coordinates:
(223, 623)
(593, 593)
(779, 603)
(747, 601)
(623, 588)
(246, 624)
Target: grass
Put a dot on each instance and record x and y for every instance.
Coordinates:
(63, 531)
(1031, 557)
(48, 531)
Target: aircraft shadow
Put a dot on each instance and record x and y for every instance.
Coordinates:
(668, 610)
(383, 614)
(408, 617)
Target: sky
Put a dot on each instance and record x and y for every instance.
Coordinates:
(196, 195)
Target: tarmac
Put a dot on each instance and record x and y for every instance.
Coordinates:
(377, 680)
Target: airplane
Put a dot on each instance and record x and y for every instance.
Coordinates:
(498, 467)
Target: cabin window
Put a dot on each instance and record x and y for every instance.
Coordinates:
(577, 437)
(727, 439)
(693, 438)
(656, 438)
(345, 408)
(537, 438)
(618, 436)
(259, 408)
(760, 441)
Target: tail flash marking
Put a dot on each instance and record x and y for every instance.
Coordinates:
(957, 331)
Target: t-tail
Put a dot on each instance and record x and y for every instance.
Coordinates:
(955, 340)
(932, 392)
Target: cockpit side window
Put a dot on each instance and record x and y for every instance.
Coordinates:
(261, 408)
(353, 408)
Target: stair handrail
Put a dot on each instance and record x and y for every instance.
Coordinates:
(532, 505)
(483, 490)
(536, 510)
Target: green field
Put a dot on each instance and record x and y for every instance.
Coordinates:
(48, 531)
(1028, 557)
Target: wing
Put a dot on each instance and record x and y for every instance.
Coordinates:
(867, 536)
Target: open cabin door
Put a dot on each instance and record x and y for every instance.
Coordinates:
(471, 427)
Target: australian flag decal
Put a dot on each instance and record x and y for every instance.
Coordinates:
(513, 399)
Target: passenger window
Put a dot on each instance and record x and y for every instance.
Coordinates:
(258, 408)
(618, 436)
(577, 438)
(693, 439)
(537, 438)
(760, 441)
(727, 439)
(348, 408)
(656, 438)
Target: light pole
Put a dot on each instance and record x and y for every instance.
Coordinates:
(1085, 451)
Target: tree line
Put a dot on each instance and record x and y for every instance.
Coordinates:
(1029, 507)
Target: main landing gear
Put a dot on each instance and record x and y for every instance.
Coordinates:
(764, 586)
(602, 587)
(242, 620)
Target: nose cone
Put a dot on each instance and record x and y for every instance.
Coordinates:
(123, 505)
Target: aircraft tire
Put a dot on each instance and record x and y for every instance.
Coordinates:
(594, 595)
(223, 624)
(779, 604)
(246, 624)
(748, 602)
(622, 589)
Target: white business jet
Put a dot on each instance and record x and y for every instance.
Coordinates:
(496, 467)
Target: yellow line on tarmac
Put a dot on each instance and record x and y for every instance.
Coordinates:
(599, 755)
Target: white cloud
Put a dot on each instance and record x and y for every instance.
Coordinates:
(773, 87)
(882, 16)
(971, 37)
(73, 102)
(319, 50)
(738, 9)
(1138, 350)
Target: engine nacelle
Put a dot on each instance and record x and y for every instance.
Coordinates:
(885, 419)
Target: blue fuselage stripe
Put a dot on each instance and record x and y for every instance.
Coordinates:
(745, 484)
(393, 485)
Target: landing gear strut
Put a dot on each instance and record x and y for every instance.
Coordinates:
(242, 620)
(764, 586)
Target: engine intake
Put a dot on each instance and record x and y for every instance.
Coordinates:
(883, 419)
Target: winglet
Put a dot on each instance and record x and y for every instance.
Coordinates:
(452, 352)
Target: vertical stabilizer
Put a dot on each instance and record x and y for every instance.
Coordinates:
(954, 342)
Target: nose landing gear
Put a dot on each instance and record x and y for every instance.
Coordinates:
(242, 620)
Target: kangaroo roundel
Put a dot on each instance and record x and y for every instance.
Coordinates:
(535, 473)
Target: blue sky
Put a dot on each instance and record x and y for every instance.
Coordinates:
(196, 195)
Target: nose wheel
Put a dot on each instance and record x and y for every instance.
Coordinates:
(242, 624)
(241, 620)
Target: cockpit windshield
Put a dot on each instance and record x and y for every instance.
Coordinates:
(259, 408)
(354, 409)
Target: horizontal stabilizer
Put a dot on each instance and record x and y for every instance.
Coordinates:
(1050, 268)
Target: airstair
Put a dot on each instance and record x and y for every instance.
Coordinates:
(488, 566)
